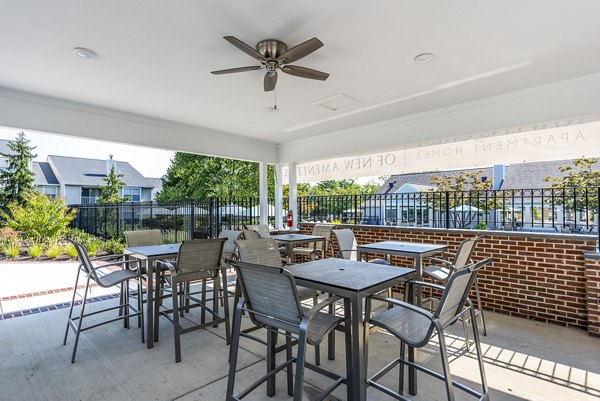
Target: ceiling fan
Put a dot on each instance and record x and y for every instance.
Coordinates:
(273, 55)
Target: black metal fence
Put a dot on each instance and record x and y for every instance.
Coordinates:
(564, 210)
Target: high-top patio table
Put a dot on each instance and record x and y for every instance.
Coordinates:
(291, 240)
(149, 255)
(417, 251)
(281, 231)
(353, 281)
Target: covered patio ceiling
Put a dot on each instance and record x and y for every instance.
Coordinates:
(496, 65)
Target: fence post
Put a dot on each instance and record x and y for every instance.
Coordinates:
(210, 217)
(192, 220)
(355, 209)
(447, 209)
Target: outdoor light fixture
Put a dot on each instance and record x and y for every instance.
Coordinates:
(423, 58)
(84, 53)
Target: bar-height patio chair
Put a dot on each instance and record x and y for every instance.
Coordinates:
(446, 269)
(250, 234)
(197, 261)
(321, 230)
(271, 300)
(261, 229)
(346, 241)
(229, 249)
(415, 327)
(143, 237)
(105, 278)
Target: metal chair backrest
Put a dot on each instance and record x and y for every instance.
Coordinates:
(85, 261)
(143, 237)
(250, 234)
(230, 236)
(262, 251)
(271, 294)
(200, 257)
(323, 230)
(261, 229)
(346, 242)
(463, 254)
(456, 292)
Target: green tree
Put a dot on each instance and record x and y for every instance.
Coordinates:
(193, 176)
(40, 218)
(111, 192)
(578, 182)
(465, 189)
(18, 178)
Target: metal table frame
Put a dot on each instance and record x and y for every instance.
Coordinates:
(417, 251)
(341, 277)
(149, 255)
(290, 240)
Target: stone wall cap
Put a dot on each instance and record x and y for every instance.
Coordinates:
(592, 255)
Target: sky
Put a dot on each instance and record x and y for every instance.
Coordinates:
(149, 162)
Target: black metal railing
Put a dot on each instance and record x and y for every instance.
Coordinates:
(564, 210)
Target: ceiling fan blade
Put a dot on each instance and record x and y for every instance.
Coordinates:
(304, 72)
(270, 80)
(244, 47)
(239, 69)
(299, 51)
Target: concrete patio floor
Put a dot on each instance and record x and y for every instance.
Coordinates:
(525, 360)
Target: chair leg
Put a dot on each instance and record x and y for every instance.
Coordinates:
(140, 301)
(270, 360)
(466, 333)
(203, 308)
(233, 350)
(445, 363)
(480, 307)
(401, 374)
(331, 337)
(288, 356)
(158, 294)
(484, 385)
(80, 321)
(300, 359)
(126, 311)
(215, 297)
(71, 307)
(225, 301)
(176, 329)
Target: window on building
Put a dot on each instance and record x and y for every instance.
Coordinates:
(89, 195)
(50, 192)
(132, 194)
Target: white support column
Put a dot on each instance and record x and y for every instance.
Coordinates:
(293, 192)
(263, 193)
(278, 196)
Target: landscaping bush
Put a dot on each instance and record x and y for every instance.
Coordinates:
(113, 247)
(70, 251)
(54, 251)
(92, 246)
(35, 250)
(481, 226)
(12, 250)
(40, 218)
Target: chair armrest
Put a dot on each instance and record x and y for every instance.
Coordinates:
(119, 263)
(402, 304)
(313, 311)
(443, 261)
(120, 255)
(426, 284)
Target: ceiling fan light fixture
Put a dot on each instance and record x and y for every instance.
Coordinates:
(424, 58)
(84, 52)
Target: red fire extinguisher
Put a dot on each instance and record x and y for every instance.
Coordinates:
(290, 219)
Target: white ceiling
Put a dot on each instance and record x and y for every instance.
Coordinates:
(155, 56)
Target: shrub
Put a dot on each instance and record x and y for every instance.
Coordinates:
(35, 250)
(40, 218)
(481, 226)
(8, 235)
(113, 247)
(71, 251)
(54, 251)
(92, 246)
(12, 250)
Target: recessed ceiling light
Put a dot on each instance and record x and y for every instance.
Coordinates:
(423, 58)
(84, 53)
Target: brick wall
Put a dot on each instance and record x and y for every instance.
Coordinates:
(592, 282)
(534, 275)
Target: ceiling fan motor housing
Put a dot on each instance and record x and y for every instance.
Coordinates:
(271, 48)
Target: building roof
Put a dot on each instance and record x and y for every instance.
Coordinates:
(44, 174)
(91, 172)
(518, 176)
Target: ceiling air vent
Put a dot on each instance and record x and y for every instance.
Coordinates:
(337, 102)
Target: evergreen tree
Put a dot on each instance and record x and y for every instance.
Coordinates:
(17, 180)
(111, 192)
